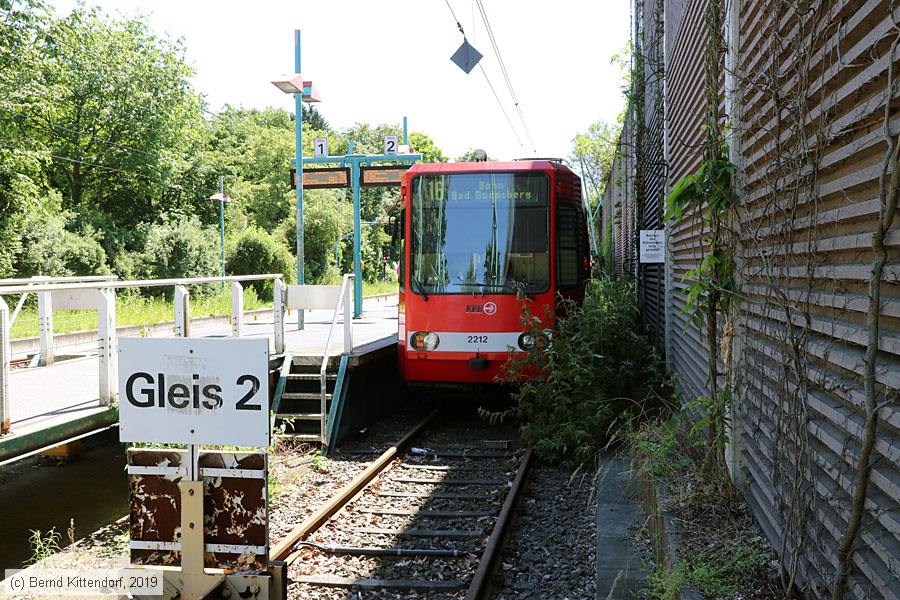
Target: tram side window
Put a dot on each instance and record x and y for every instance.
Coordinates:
(401, 270)
(566, 247)
(400, 233)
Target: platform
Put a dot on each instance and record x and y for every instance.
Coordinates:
(57, 402)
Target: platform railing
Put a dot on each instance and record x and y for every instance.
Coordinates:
(346, 303)
(45, 305)
(99, 293)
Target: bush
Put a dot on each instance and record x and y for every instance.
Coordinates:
(177, 247)
(48, 248)
(597, 371)
(255, 252)
(326, 218)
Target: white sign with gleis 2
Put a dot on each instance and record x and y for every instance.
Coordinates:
(194, 391)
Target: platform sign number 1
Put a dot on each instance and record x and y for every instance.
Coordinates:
(390, 144)
(320, 147)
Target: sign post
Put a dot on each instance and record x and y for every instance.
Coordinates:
(195, 391)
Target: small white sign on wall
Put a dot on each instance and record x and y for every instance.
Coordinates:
(653, 246)
(194, 391)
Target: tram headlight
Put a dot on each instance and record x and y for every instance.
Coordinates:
(425, 340)
(528, 341)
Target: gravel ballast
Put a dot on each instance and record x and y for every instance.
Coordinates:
(550, 547)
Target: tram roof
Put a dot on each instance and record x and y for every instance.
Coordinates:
(488, 166)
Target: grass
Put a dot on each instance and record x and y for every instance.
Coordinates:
(43, 546)
(719, 572)
(133, 309)
(372, 288)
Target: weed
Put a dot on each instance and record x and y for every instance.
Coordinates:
(43, 546)
(664, 583)
(319, 462)
(274, 486)
(70, 532)
(724, 570)
(576, 389)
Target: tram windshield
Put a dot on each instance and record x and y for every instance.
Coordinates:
(480, 233)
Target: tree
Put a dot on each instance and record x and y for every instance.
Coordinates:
(593, 153)
(470, 156)
(113, 105)
(179, 246)
(256, 251)
(314, 118)
(424, 145)
(253, 149)
(326, 217)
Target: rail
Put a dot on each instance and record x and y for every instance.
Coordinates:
(343, 300)
(33, 281)
(98, 293)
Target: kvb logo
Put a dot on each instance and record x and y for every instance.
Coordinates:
(487, 308)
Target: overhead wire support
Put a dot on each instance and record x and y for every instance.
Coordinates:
(503, 70)
(488, 79)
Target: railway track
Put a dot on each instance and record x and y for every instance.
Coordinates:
(426, 522)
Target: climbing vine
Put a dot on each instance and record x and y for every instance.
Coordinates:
(708, 194)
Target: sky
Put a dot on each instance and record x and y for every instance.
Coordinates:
(375, 62)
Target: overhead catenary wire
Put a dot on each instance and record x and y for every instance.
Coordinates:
(57, 128)
(502, 109)
(488, 80)
(503, 70)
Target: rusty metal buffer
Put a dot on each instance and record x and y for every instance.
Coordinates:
(209, 535)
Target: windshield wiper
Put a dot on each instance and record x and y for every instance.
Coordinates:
(416, 287)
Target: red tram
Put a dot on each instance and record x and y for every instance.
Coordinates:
(479, 240)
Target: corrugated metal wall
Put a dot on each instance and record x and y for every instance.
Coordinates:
(685, 100)
(808, 140)
(653, 179)
(812, 149)
(619, 199)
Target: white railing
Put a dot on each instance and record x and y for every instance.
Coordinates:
(99, 293)
(45, 305)
(343, 299)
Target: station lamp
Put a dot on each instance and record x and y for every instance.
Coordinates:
(294, 84)
(303, 91)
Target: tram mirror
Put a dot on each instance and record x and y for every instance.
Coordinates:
(402, 224)
(392, 229)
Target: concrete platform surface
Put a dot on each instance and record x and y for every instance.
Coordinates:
(620, 568)
(45, 397)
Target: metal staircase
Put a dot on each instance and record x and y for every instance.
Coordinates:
(300, 413)
(308, 400)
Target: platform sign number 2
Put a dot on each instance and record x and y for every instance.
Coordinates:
(320, 146)
(390, 144)
(194, 391)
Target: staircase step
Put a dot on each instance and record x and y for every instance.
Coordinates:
(311, 376)
(303, 437)
(300, 416)
(303, 396)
